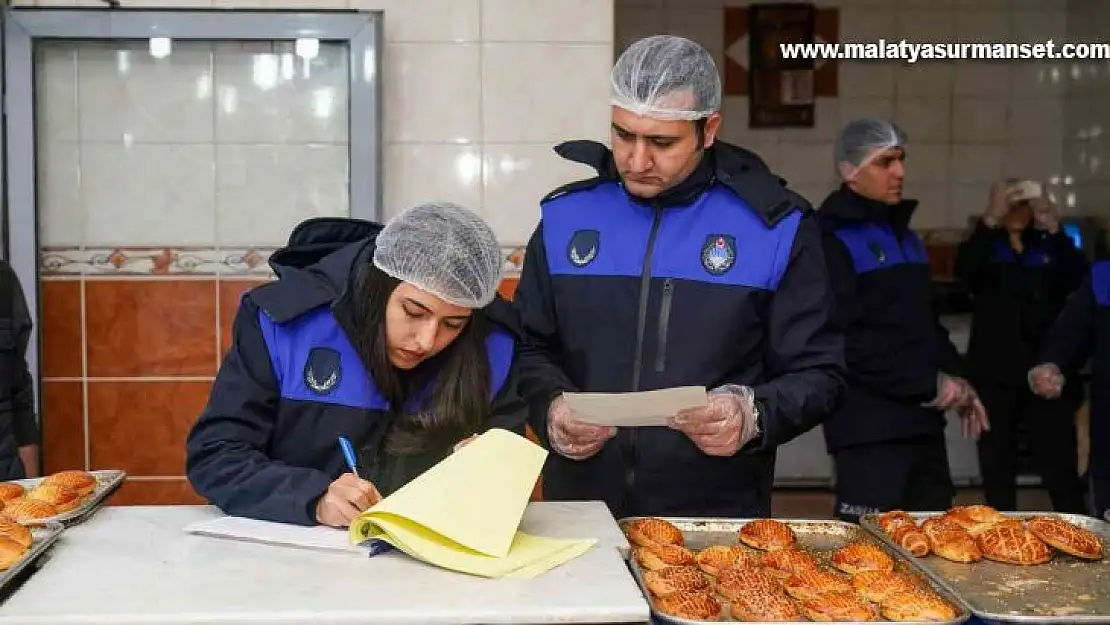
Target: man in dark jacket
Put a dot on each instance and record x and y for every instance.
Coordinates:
(1082, 332)
(683, 262)
(1020, 268)
(19, 432)
(887, 438)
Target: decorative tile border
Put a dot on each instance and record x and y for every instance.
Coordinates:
(160, 261)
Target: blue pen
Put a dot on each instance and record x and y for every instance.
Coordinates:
(377, 546)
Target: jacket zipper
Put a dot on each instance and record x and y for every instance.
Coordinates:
(629, 447)
(664, 322)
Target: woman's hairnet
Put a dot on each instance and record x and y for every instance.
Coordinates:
(444, 249)
(666, 77)
(861, 140)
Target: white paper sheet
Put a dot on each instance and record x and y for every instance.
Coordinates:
(318, 538)
(646, 408)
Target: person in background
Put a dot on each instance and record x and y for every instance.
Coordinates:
(887, 437)
(684, 261)
(19, 431)
(393, 337)
(1079, 333)
(1020, 268)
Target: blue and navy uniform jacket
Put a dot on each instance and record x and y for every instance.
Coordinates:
(718, 281)
(265, 446)
(1080, 333)
(1015, 297)
(895, 345)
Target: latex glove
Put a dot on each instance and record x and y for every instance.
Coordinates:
(1045, 215)
(1046, 380)
(973, 415)
(998, 204)
(572, 438)
(951, 392)
(727, 422)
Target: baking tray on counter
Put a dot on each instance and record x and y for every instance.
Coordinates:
(43, 536)
(819, 537)
(1063, 590)
(107, 482)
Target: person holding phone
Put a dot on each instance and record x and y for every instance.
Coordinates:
(392, 337)
(1019, 267)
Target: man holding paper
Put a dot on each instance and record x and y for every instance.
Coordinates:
(684, 262)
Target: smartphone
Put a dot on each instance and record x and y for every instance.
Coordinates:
(1025, 190)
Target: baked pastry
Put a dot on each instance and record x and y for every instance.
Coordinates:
(904, 531)
(10, 491)
(62, 498)
(785, 562)
(813, 582)
(82, 482)
(917, 605)
(731, 583)
(1067, 537)
(14, 531)
(838, 606)
(690, 606)
(1011, 543)
(11, 553)
(765, 606)
(875, 586)
(25, 510)
(661, 556)
(857, 557)
(767, 535)
(675, 579)
(648, 532)
(713, 559)
(975, 519)
(950, 540)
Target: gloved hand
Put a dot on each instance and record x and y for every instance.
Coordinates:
(973, 415)
(572, 438)
(727, 422)
(1045, 215)
(951, 392)
(998, 204)
(1046, 380)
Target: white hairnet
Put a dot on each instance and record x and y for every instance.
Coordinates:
(666, 77)
(444, 249)
(861, 140)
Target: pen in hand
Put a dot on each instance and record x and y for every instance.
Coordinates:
(377, 546)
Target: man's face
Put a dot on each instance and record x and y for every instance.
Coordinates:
(654, 155)
(881, 179)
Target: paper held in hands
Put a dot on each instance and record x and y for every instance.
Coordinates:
(463, 513)
(646, 408)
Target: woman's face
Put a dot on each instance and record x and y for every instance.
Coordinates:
(419, 325)
(1019, 217)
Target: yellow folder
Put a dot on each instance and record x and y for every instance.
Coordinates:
(463, 513)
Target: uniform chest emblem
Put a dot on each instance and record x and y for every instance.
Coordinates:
(878, 251)
(322, 370)
(718, 253)
(583, 247)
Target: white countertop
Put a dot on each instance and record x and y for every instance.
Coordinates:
(132, 565)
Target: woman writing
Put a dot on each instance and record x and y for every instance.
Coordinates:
(391, 337)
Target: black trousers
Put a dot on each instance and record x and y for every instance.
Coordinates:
(1050, 425)
(910, 474)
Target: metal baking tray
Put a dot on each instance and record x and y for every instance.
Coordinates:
(107, 482)
(43, 535)
(1063, 590)
(819, 537)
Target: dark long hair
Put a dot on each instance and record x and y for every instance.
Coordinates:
(444, 399)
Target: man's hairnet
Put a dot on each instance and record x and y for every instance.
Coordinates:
(444, 249)
(861, 140)
(666, 77)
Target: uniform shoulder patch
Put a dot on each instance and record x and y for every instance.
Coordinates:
(878, 251)
(322, 370)
(718, 253)
(583, 247)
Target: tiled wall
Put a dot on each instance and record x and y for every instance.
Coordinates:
(969, 122)
(1087, 113)
(165, 183)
